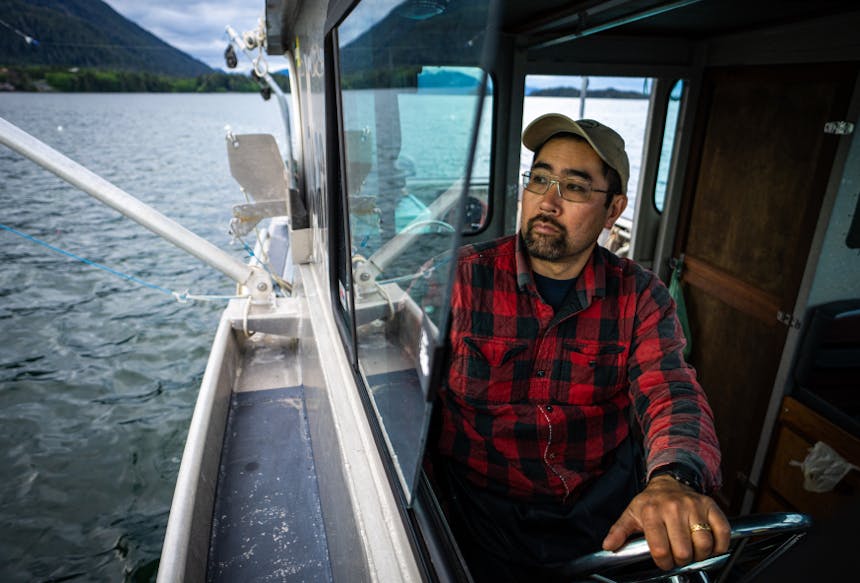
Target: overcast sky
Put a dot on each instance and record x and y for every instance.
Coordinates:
(196, 27)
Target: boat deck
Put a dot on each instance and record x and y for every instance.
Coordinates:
(267, 520)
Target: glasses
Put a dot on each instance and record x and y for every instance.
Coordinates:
(574, 189)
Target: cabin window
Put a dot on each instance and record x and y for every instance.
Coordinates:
(618, 102)
(410, 92)
(673, 111)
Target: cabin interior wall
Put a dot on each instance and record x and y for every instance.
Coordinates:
(833, 274)
(750, 254)
(664, 242)
(509, 79)
(837, 276)
(832, 269)
(646, 218)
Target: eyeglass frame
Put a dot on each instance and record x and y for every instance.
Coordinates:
(527, 176)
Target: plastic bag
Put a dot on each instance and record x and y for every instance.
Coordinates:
(823, 468)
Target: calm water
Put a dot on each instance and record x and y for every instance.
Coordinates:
(98, 376)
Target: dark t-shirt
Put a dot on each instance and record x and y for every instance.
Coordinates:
(553, 291)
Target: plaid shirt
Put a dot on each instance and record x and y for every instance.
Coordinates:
(537, 400)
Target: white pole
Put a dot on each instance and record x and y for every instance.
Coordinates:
(582, 95)
(116, 198)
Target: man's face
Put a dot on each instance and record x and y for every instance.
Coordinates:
(560, 234)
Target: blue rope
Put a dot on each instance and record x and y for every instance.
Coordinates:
(87, 261)
(251, 254)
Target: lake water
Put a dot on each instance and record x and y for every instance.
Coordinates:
(98, 376)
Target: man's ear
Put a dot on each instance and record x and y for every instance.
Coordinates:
(616, 207)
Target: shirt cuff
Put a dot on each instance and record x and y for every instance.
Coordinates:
(682, 473)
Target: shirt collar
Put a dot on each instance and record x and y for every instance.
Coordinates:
(591, 282)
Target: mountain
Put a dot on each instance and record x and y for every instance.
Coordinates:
(85, 33)
(609, 93)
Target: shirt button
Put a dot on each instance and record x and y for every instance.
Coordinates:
(551, 456)
(541, 372)
(549, 407)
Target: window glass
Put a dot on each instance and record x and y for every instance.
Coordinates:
(411, 93)
(618, 102)
(673, 110)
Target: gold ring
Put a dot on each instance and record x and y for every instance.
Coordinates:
(700, 526)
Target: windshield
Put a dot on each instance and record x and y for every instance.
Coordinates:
(411, 100)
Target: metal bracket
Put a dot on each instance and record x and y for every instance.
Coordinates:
(839, 128)
(788, 319)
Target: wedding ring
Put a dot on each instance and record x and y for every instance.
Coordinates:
(700, 526)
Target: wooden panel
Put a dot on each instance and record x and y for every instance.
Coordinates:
(764, 166)
(768, 502)
(758, 174)
(798, 430)
(738, 294)
(813, 426)
(738, 392)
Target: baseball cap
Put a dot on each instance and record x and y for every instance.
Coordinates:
(605, 141)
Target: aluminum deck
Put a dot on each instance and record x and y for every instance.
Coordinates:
(268, 522)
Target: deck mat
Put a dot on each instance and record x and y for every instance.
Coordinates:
(268, 523)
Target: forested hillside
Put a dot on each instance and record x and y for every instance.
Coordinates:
(85, 34)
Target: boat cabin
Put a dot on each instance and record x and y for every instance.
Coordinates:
(403, 143)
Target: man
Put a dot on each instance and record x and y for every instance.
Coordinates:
(566, 363)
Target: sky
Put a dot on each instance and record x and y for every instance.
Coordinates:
(197, 27)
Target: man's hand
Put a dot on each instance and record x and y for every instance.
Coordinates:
(680, 524)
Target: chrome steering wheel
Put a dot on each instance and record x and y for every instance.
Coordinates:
(756, 541)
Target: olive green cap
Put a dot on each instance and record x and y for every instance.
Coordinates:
(605, 141)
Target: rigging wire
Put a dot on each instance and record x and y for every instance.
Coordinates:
(182, 297)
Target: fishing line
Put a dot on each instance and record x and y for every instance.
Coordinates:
(264, 263)
(182, 298)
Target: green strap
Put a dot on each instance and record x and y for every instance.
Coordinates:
(677, 294)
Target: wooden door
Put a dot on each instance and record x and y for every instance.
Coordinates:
(752, 201)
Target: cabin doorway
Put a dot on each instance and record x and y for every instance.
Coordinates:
(759, 170)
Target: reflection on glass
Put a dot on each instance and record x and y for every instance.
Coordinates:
(410, 92)
(672, 111)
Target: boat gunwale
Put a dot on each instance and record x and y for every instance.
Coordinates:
(184, 552)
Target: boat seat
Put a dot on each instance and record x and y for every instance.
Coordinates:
(828, 364)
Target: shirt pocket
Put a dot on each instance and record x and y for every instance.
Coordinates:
(591, 372)
(483, 369)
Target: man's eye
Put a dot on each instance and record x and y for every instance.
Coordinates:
(576, 187)
(538, 179)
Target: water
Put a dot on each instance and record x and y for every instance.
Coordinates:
(98, 376)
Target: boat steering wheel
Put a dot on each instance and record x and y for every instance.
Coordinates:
(756, 541)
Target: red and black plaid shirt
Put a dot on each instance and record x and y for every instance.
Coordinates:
(537, 400)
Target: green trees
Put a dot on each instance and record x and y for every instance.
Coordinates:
(84, 80)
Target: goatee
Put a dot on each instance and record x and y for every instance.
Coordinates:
(545, 247)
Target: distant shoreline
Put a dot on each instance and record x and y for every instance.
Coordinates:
(610, 93)
(51, 79)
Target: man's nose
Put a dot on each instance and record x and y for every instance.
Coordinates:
(551, 200)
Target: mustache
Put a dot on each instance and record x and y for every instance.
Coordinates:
(546, 219)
